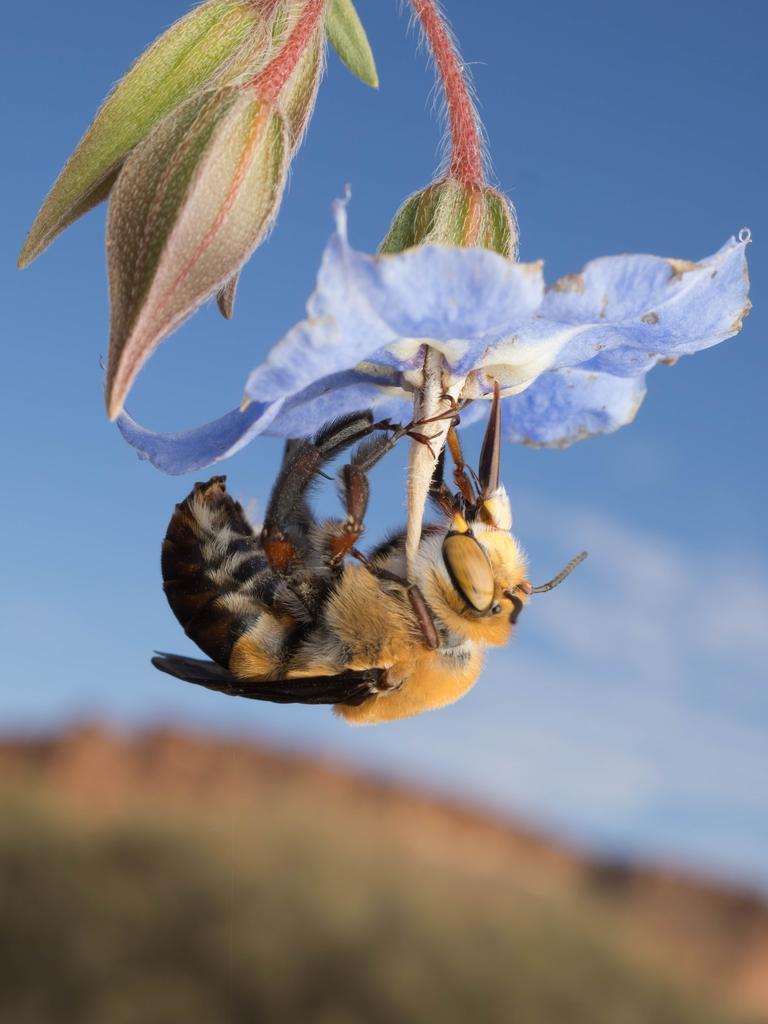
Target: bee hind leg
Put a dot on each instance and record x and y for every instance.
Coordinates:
(354, 488)
(289, 524)
(341, 537)
(289, 521)
(354, 491)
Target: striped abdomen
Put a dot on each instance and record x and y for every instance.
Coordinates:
(214, 569)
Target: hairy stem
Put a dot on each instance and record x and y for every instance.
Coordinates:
(466, 149)
(271, 79)
(466, 166)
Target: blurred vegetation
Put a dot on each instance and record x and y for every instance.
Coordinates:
(219, 915)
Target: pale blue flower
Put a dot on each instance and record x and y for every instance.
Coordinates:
(572, 357)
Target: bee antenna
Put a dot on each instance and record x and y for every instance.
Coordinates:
(557, 580)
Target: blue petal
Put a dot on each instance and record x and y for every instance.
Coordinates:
(202, 446)
(460, 300)
(581, 349)
(299, 416)
(463, 300)
(338, 395)
(564, 406)
(625, 313)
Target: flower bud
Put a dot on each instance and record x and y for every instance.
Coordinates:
(216, 43)
(297, 97)
(192, 202)
(450, 212)
(295, 102)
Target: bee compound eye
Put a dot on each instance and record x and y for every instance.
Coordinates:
(470, 570)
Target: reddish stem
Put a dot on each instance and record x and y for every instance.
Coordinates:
(466, 149)
(271, 79)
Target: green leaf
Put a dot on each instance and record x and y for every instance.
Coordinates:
(195, 51)
(192, 202)
(348, 38)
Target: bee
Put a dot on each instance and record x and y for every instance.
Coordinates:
(298, 614)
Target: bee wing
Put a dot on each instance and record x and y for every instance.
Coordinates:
(194, 670)
(346, 688)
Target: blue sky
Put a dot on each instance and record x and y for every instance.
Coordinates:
(631, 712)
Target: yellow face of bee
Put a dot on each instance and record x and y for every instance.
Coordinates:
(475, 578)
(476, 583)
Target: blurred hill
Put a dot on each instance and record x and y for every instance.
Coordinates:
(169, 877)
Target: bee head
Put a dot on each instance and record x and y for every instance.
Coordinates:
(485, 585)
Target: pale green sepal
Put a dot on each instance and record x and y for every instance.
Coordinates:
(500, 224)
(296, 102)
(348, 38)
(192, 53)
(297, 98)
(98, 195)
(192, 202)
(402, 233)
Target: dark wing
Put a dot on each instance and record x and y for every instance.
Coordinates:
(345, 688)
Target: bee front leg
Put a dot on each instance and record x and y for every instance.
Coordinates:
(460, 474)
(354, 489)
(343, 536)
(378, 449)
(419, 606)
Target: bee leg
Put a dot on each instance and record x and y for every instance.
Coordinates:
(490, 453)
(419, 606)
(460, 476)
(342, 536)
(409, 430)
(438, 492)
(354, 491)
(288, 520)
(354, 483)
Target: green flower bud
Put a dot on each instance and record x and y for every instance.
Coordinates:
(296, 103)
(297, 97)
(216, 43)
(450, 212)
(192, 202)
